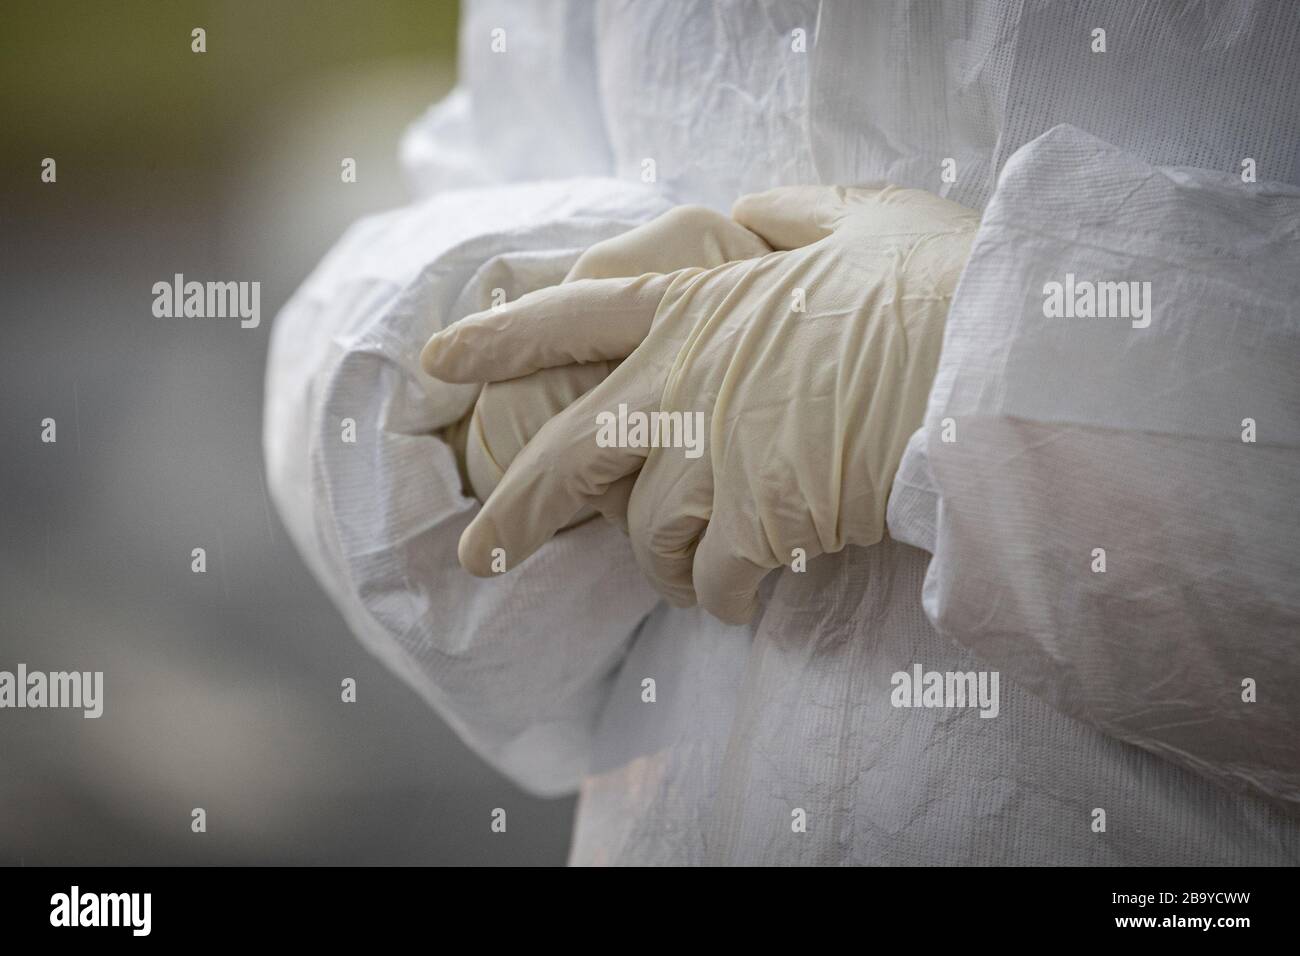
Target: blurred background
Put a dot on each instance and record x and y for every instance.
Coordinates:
(222, 690)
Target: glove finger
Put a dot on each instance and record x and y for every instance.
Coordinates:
(726, 582)
(668, 511)
(683, 237)
(589, 320)
(790, 217)
(508, 414)
(559, 472)
(613, 503)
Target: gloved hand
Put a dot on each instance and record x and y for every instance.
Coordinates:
(811, 367)
(508, 413)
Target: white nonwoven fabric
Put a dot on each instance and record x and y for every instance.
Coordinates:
(747, 729)
(518, 665)
(526, 105)
(1074, 434)
(543, 670)
(899, 88)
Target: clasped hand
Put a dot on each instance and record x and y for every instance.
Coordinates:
(804, 333)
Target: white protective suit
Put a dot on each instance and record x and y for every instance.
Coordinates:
(542, 670)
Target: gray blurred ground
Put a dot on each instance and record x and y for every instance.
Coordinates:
(222, 689)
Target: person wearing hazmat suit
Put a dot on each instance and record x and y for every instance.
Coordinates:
(698, 456)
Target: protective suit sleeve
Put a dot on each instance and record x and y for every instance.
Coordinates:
(518, 664)
(1116, 527)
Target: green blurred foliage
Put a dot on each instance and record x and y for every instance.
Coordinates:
(103, 77)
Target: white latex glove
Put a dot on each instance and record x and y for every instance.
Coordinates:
(509, 413)
(807, 412)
